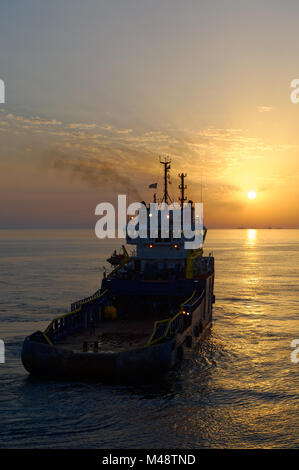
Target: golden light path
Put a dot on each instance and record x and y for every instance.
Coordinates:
(251, 235)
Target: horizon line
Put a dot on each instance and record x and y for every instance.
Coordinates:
(86, 227)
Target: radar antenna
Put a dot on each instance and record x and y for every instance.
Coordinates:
(182, 187)
(166, 162)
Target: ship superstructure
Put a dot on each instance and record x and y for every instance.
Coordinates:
(154, 303)
(160, 255)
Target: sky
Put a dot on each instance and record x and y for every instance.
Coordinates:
(97, 91)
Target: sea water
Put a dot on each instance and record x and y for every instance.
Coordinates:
(237, 389)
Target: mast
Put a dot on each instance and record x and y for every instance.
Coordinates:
(182, 187)
(167, 167)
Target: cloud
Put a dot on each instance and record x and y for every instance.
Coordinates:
(35, 120)
(80, 125)
(108, 127)
(123, 131)
(77, 149)
(264, 109)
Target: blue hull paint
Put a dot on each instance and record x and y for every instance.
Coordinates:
(45, 361)
(161, 277)
(51, 361)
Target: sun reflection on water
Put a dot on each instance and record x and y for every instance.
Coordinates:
(251, 236)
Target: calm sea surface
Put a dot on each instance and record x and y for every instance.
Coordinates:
(239, 388)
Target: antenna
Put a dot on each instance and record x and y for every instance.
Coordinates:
(182, 187)
(166, 162)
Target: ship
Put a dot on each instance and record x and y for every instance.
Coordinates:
(154, 305)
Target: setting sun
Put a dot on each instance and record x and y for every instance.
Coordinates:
(252, 194)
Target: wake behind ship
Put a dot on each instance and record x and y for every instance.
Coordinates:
(156, 302)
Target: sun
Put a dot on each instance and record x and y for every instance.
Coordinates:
(251, 194)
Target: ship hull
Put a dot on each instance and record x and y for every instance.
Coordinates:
(53, 361)
(44, 361)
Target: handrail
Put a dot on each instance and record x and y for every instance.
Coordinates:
(170, 322)
(95, 295)
(73, 312)
(84, 300)
(192, 254)
(188, 300)
(52, 328)
(124, 261)
(155, 329)
(47, 338)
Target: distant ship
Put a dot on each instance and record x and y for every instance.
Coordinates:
(154, 304)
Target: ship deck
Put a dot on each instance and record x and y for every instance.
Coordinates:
(111, 336)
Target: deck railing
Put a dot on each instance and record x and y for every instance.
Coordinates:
(124, 261)
(76, 304)
(79, 317)
(178, 323)
(75, 320)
